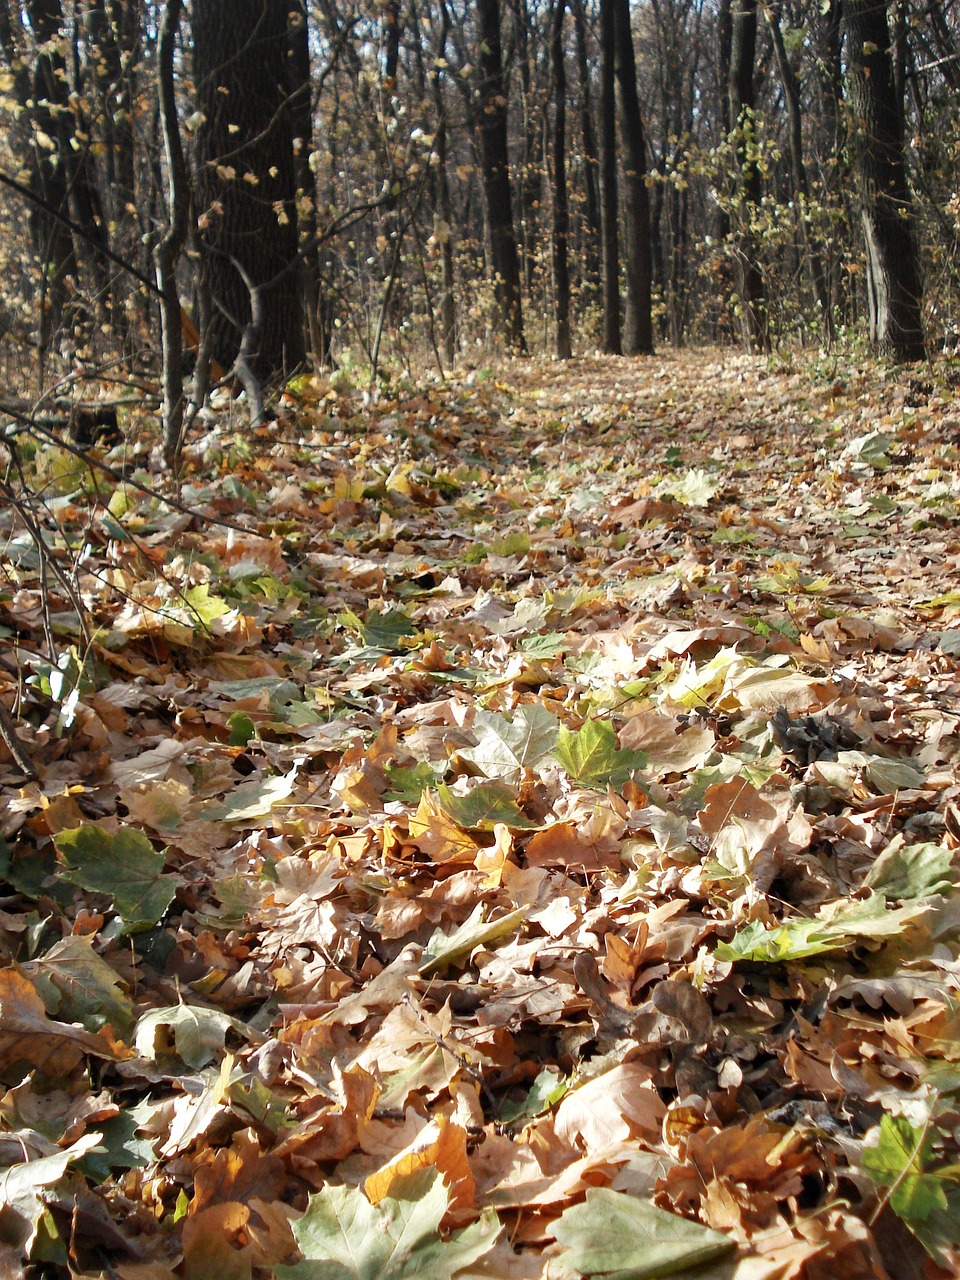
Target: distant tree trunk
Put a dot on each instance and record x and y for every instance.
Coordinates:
(171, 243)
(448, 315)
(894, 289)
(791, 98)
(561, 218)
(609, 212)
(530, 169)
(591, 161)
(62, 174)
(638, 324)
(246, 183)
(724, 48)
(112, 30)
(754, 321)
(498, 221)
(301, 116)
(391, 42)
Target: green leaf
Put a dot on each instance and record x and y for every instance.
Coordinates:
(408, 785)
(590, 755)
(507, 747)
(119, 1147)
(443, 951)
(252, 800)
(342, 1236)
(912, 871)
(837, 925)
(199, 1034)
(623, 1238)
(206, 608)
(898, 1161)
(84, 988)
(242, 729)
(125, 865)
(871, 450)
(548, 1088)
(545, 646)
(386, 630)
(484, 806)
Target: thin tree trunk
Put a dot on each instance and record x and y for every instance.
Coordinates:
(170, 245)
(588, 140)
(791, 98)
(754, 321)
(301, 115)
(638, 324)
(561, 217)
(609, 211)
(502, 256)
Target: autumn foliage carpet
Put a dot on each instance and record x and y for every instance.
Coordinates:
(507, 828)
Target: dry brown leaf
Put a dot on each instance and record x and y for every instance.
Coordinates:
(29, 1038)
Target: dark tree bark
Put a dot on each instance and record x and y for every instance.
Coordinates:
(588, 140)
(894, 289)
(301, 119)
(724, 45)
(638, 324)
(171, 243)
(246, 182)
(608, 181)
(53, 143)
(501, 245)
(561, 216)
(754, 322)
(390, 20)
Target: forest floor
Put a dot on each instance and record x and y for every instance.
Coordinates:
(508, 829)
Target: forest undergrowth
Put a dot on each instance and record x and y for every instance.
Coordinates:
(508, 828)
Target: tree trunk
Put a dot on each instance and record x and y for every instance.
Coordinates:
(448, 315)
(791, 98)
(591, 161)
(246, 184)
(608, 182)
(61, 174)
(638, 324)
(754, 321)
(894, 290)
(561, 217)
(301, 118)
(170, 245)
(502, 257)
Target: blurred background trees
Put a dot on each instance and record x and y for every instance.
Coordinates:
(417, 181)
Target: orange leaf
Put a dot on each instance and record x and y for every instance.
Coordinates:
(442, 1146)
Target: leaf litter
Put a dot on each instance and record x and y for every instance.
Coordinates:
(520, 841)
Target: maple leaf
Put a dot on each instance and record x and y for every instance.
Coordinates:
(125, 865)
(342, 1236)
(590, 755)
(507, 748)
(623, 1238)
